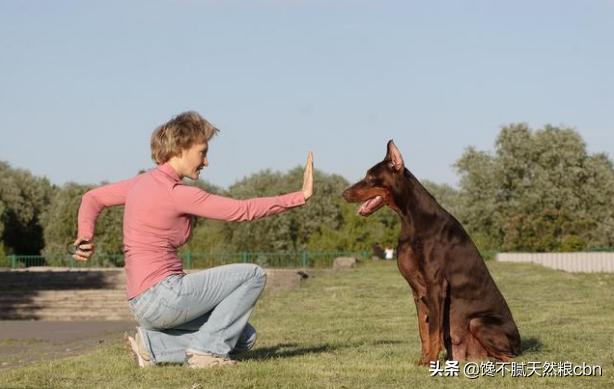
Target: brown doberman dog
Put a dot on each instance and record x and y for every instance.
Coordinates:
(459, 306)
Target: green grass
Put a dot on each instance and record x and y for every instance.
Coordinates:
(357, 328)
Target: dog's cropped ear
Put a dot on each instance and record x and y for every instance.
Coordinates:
(394, 156)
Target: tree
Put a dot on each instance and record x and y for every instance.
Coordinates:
(541, 191)
(3, 260)
(289, 231)
(60, 227)
(357, 233)
(446, 196)
(2, 209)
(23, 198)
(600, 187)
(477, 198)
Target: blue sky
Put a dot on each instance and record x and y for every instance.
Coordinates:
(83, 84)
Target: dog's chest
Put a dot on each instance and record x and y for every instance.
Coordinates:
(410, 261)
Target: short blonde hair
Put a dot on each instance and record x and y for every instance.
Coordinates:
(179, 133)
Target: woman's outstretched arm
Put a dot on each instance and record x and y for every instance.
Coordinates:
(194, 201)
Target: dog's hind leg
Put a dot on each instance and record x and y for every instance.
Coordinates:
(474, 349)
(465, 346)
(447, 326)
(459, 349)
(491, 335)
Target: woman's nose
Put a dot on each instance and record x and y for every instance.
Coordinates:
(205, 161)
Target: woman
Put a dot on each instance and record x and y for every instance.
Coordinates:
(199, 318)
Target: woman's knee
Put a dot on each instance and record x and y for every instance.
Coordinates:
(259, 274)
(251, 273)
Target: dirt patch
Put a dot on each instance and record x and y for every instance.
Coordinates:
(24, 342)
(280, 280)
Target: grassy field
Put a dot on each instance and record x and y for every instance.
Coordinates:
(357, 329)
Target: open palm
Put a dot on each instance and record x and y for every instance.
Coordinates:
(308, 177)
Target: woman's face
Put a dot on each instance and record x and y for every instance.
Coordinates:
(194, 160)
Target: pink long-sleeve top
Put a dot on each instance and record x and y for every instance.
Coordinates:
(157, 219)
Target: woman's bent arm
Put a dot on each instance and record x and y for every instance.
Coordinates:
(95, 200)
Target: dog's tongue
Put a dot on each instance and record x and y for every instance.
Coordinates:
(370, 206)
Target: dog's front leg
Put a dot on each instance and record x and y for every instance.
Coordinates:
(415, 278)
(423, 329)
(418, 289)
(436, 297)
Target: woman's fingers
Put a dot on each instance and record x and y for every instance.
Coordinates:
(308, 177)
(86, 246)
(78, 257)
(83, 255)
(84, 249)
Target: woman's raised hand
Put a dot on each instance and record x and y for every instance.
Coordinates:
(308, 177)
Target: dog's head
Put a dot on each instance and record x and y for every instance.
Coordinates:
(378, 186)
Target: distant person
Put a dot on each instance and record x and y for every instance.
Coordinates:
(378, 252)
(198, 318)
(389, 253)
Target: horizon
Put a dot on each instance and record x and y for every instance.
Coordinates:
(203, 175)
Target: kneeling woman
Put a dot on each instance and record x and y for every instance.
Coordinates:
(202, 317)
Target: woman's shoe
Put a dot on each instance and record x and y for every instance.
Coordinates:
(135, 346)
(244, 347)
(199, 360)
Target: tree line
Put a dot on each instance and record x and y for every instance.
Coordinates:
(540, 190)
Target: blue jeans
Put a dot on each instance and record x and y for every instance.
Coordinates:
(204, 312)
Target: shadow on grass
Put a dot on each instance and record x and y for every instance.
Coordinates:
(530, 345)
(385, 342)
(284, 350)
(288, 350)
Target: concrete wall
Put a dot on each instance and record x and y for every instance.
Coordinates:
(571, 262)
(42, 293)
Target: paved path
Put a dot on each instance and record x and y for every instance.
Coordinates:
(25, 342)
